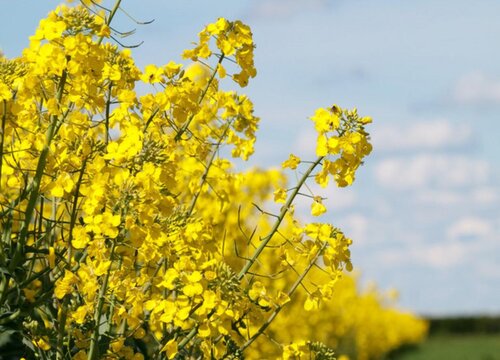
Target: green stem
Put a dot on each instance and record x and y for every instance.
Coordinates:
(150, 119)
(6, 238)
(278, 221)
(265, 240)
(94, 341)
(110, 18)
(112, 301)
(11, 317)
(108, 105)
(207, 169)
(2, 134)
(3, 287)
(289, 293)
(35, 184)
(64, 310)
(194, 331)
(74, 210)
(191, 117)
(188, 337)
(61, 329)
(147, 286)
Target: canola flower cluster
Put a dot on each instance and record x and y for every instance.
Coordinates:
(126, 231)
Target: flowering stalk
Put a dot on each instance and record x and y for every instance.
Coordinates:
(280, 218)
(2, 134)
(203, 94)
(110, 18)
(94, 340)
(34, 187)
(266, 239)
(207, 169)
(289, 294)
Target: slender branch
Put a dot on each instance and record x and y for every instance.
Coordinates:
(278, 221)
(264, 241)
(150, 119)
(74, 211)
(191, 117)
(289, 293)
(110, 18)
(108, 105)
(207, 169)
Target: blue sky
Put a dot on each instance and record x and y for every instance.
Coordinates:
(424, 212)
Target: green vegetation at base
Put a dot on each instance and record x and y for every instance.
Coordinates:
(465, 325)
(455, 347)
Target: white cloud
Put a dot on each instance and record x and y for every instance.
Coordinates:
(482, 195)
(450, 250)
(438, 197)
(442, 255)
(439, 255)
(280, 8)
(470, 227)
(477, 88)
(428, 134)
(419, 171)
(485, 196)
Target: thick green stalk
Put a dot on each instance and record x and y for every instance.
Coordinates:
(6, 237)
(3, 287)
(37, 179)
(61, 329)
(2, 135)
(94, 341)
(112, 301)
(64, 311)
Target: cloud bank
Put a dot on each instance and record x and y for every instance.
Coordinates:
(425, 170)
(422, 135)
(477, 88)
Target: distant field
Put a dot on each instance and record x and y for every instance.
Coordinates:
(456, 347)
